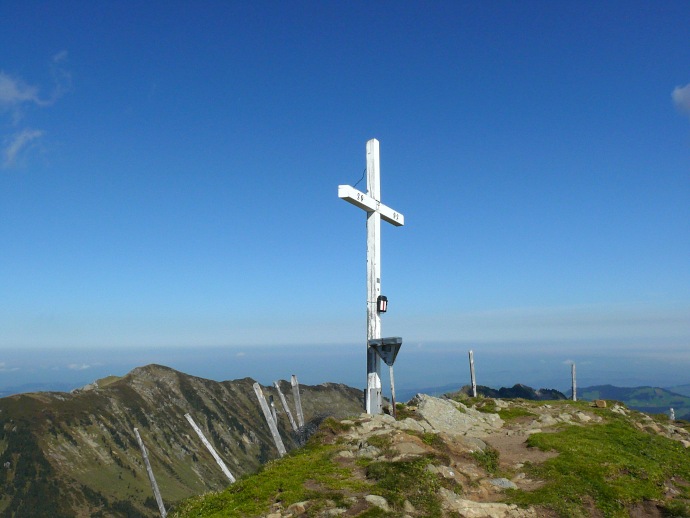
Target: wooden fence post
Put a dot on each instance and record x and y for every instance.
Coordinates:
(210, 448)
(298, 401)
(152, 479)
(285, 406)
(269, 419)
(572, 373)
(474, 381)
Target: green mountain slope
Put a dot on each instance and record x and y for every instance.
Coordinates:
(75, 454)
(652, 400)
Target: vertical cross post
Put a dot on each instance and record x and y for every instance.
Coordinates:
(374, 398)
(371, 203)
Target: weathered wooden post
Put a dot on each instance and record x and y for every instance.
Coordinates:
(371, 203)
(298, 401)
(390, 371)
(274, 413)
(472, 378)
(210, 448)
(152, 479)
(285, 406)
(572, 373)
(272, 425)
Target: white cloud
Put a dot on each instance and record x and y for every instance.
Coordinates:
(14, 91)
(681, 97)
(16, 96)
(241, 355)
(78, 366)
(15, 144)
(5, 368)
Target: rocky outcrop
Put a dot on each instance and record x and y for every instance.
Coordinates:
(453, 418)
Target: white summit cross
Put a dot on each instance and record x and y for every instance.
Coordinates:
(371, 203)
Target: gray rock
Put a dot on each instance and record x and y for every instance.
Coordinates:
(409, 424)
(472, 443)
(378, 501)
(298, 507)
(454, 418)
(503, 483)
(547, 420)
(408, 507)
(346, 454)
(369, 452)
(583, 417)
(471, 509)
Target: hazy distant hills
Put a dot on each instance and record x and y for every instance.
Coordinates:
(651, 400)
(75, 454)
(683, 390)
(515, 392)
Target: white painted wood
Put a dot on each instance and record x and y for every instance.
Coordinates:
(366, 202)
(298, 401)
(285, 406)
(572, 373)
(210, 448)
(474, 381)
(152, 479)
(272, 425)
(371, 203)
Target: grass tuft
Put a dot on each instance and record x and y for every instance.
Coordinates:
(612, 464)
(407, 480)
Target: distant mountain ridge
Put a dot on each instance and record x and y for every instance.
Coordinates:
(651, 400)
(517, 391)
(75, 454)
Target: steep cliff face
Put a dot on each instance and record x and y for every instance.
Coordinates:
(76, 454)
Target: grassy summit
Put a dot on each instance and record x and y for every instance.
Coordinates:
(555, 458)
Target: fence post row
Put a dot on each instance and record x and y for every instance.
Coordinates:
(285, 406)
(269, 419)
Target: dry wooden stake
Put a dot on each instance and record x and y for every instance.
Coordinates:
(395, 412)
(298, 401)
(272, 425)
(210, 448)
(152, 479)
(474, 381)
(285, 406)
(572, 373)
(274, 413)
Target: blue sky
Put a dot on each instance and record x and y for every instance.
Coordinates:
(169, 173)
